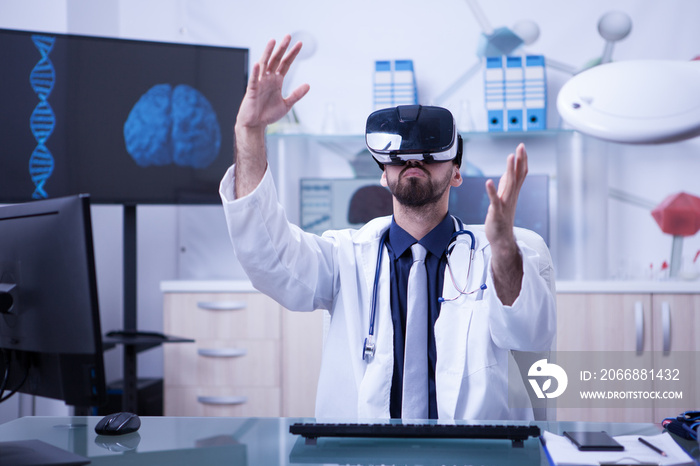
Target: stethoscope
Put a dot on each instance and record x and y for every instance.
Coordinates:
(369, 346)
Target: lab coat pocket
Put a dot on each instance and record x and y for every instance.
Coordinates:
(459, 337)
(480, 352)
(462, 338)
(451, 330)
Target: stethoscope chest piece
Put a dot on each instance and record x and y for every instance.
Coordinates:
(369, 348)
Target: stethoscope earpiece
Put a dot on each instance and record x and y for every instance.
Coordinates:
(368, 350)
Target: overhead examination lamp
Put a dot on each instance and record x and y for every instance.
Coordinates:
(634, 101)
(397, 135)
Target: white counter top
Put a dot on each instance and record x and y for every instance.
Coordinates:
(628, 286)
(206, 286)
(563, 286)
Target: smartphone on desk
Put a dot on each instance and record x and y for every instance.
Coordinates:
(594, 441)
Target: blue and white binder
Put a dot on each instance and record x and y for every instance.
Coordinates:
(494, 93)
(394, 83)
(383, 84)
(535, 93)
(404, 83)
(514, 94)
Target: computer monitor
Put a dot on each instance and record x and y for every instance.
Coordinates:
(50, 333)
(334, 204)
(128, 121)
(351, 202)
(470, 202)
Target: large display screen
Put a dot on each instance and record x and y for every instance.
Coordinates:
(350, 203)
(126, 121)
(470, 202)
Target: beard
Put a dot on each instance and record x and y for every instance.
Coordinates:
(418, 192)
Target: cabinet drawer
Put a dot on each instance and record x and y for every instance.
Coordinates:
(216, 363)
(221, 401)
(221, 316)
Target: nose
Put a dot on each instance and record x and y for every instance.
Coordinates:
(414, 164)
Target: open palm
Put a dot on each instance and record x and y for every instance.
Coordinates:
(501, 213)
(264, 103)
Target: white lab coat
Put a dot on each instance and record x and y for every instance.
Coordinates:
(473, 333)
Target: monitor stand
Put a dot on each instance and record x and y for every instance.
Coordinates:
(130, 393)
(133, 340)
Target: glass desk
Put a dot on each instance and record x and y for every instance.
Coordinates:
(267, 441)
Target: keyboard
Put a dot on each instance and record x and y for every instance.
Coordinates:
(516, 433)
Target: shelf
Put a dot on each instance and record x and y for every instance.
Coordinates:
(548, 133)
(352, 148)
(467, 136)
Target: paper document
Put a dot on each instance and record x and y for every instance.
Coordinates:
(561, 452)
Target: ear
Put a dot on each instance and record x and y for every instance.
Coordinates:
(382, 180)
(456, 176)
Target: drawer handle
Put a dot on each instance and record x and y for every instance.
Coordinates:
(222, 305)
(639, 318)
(666, 326)
(222, 352)
(222, 400)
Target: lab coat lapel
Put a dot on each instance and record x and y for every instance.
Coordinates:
(452, 326)
(375, 387)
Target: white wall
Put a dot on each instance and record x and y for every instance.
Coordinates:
(441, 37)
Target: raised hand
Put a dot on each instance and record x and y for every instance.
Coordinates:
(264, 103)
(501, 212)
(506, 262)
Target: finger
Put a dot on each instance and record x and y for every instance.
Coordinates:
(289, 59)
(521, 167)
(253, 78)
(514, 176)
(266, 56)
(279, 53)
(491, 192)
(297, 94)
(506, 179)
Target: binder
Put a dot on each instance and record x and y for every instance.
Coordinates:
(494, 93)
(394, 83)
(383, 84)
(535, 93)
(404, 83)
(514, 94)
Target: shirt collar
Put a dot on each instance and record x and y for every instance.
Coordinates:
(435, 241)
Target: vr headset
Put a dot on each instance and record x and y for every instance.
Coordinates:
(413, 132)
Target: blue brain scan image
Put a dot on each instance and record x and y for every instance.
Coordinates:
(172, 125)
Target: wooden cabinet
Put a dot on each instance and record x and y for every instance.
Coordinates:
(250, 357)
(676, 329)
(651, 327)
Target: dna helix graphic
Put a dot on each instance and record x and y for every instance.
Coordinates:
(42, 120)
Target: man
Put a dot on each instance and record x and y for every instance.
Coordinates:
(469, 335)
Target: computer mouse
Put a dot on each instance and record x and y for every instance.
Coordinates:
(118, 424)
